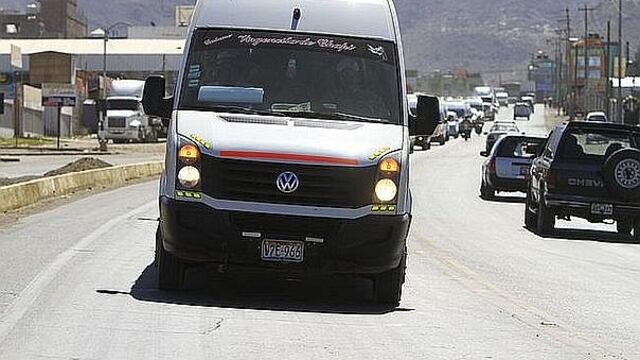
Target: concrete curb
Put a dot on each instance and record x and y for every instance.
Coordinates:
(28, 193)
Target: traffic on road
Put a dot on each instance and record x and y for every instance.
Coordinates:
(312, 204)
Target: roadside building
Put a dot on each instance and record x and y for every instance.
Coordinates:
(44, 19)
(81, 62)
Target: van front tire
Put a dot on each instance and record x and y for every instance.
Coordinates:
(387, 287)
(170, 270)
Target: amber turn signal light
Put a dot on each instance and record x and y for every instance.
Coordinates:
(188, 154)
(389, 165)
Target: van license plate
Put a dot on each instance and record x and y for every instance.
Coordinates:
(602, 209)
(284, 251)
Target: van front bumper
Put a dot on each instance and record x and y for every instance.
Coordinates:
(197, 233)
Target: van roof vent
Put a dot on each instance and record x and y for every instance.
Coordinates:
(324, 124)
(255, 120)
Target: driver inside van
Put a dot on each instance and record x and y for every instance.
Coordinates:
(351, 95)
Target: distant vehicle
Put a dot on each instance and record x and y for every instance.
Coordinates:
(598, 116)
(498, 130)
(462, 111)
(521, 110)
(513, 88)
(508, 165)
(488, 111)
(440, 133)
(453, 125)
(589, 170)
(531, 101)
(482, 91)
(503, 98)
(125, 118)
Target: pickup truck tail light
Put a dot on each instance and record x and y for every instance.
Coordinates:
(492, 166)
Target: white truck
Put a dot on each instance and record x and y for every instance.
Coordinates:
(125, 119)
(288, 143)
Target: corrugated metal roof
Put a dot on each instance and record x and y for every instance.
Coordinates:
(95, 46)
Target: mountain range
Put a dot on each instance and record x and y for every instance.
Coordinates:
(479, 35)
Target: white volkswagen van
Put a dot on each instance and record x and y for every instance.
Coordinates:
(288, 146)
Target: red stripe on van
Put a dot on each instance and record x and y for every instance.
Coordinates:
(288, 156)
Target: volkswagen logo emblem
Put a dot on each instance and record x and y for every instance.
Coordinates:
(287, 182)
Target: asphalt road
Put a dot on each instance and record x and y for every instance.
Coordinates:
(77, 283)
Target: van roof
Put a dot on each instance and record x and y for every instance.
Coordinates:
(364, 18)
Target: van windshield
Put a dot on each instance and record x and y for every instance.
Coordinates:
(300, 75)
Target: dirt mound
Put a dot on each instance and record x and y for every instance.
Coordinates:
(83, 164)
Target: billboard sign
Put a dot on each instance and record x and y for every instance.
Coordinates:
(58, 95)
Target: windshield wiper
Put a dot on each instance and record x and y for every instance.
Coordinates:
(334, 116)
(243, 110)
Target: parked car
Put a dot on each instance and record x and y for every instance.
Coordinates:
(508, 164)
(498, 130)
(589, 170)
(521, 110)
(599, 116)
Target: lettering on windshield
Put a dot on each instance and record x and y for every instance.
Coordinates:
(292, 41)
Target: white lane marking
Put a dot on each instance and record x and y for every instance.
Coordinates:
(30, 294)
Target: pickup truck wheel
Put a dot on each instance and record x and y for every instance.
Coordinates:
(442, 140)
(387, 287)
(636, 231)
(170, 272)
(622, 174)
(486, 192)
(624, 227)
(546, 219)
(530, 217)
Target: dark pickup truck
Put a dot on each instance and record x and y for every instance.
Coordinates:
(589, 171)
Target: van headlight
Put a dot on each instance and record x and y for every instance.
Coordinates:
(386, 190)
(189, 177)
(386, 186)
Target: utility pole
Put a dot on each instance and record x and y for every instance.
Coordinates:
(619, 100)
(585, 94)
(570, 89)
(608, 71)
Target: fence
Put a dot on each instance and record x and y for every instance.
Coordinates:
(35, 120)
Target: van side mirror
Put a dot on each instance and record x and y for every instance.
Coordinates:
(484, 153)
(154, 101)
(427, 116)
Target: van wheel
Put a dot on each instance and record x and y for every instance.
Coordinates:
(530, 219)
(387, 287)
(170, 272)
(546, 219)
(426, 145)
